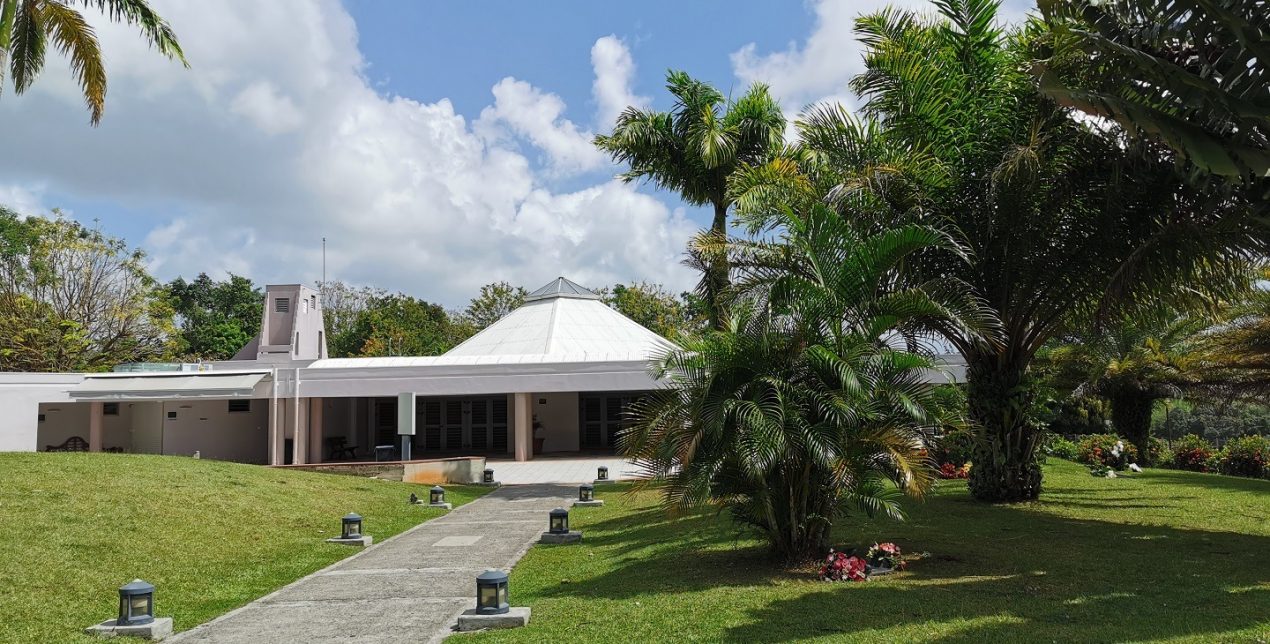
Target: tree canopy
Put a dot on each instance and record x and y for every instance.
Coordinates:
(74, 299)
(216, 318)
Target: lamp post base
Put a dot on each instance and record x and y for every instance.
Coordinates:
(515, 617)
(602, 481)
(442, 506)
(360, 542)
(589, 504)
(572, 536)
(158, 629)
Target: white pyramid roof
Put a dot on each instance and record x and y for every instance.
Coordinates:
(567, 322)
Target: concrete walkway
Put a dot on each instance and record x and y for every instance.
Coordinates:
(410, 588)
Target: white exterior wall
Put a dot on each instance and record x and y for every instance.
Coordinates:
(558, 413)
(20, 398)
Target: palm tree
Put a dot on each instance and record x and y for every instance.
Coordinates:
(692, 150)
(800, 409)
(1065, 222)
(1189, 73)
(26, 26)
(1132, 364)
(1236, 351)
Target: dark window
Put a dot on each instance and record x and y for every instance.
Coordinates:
(41, 418)
(282, 305)
(239, 405)
(110, 409)
(171, 415)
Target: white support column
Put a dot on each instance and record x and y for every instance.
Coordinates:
(523, 426)
(96, 412)
(277, 431)
(300, 438)
(316, 443)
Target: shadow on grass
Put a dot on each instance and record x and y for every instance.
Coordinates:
(996, 573)
(1210, 481)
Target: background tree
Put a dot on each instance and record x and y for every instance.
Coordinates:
(342, 305)
(216, 318)
(1065, 221)
(494, 301)
(73, 299)
(400, 325)
(693, 149)
(1132, 363)
(652, 307)
(27, 26)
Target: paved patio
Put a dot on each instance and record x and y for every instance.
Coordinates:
(410, 588)
(572, 469)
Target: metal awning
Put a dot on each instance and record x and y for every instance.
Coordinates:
(167, 386)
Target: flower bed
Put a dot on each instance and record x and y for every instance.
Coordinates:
(1101, 449)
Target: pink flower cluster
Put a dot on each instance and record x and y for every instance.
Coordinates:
(839, 567)
(888, 555)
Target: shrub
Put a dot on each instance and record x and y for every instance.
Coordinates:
(955, 447)
(950, 471)
(1096, 449)
(1060, 447)
(1191, 452)
(1159, 450)
(1245, 456)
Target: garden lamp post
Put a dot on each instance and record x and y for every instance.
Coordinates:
(586, 492)
(602, 474)
(351, 526)
(487, 476)
(436, 495)
(558, 521)
(491, 593)
(136, 603)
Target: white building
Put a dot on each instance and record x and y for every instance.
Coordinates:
(560, 369)
(563, 358)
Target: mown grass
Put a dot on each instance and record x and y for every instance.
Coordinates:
(209, 535)
(1161, 556)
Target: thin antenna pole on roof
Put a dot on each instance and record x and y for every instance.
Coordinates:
(324, 262)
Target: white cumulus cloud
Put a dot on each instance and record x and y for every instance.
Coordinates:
(614, 74)
(275, 139)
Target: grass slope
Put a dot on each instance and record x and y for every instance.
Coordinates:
(1162, 556)
(209, 535)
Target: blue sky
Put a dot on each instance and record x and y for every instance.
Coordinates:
(437, 146)
(458, 50)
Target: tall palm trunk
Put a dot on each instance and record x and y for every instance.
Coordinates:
(718, 271)
(1005, 467)
(1131, 415)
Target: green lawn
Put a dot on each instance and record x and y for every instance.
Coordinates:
(209, 535)
(1162, 556)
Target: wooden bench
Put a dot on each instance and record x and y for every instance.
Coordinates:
(72, 444)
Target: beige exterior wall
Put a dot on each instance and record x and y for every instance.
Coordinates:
(206, 426)
(63, 420)
(558, 413)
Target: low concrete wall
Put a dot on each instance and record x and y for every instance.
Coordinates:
(446, 470)
(466, 469)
